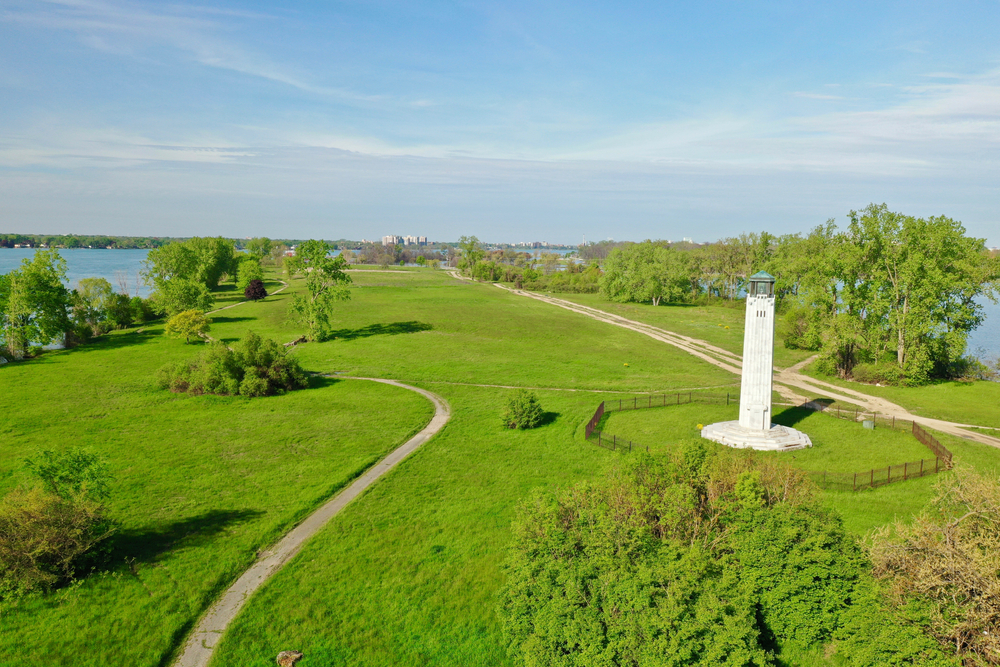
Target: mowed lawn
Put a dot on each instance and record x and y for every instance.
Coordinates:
(426, 326)
(408, 574)
(974, 402)
(203, 483)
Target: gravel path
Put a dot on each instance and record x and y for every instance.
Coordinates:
(209, 630)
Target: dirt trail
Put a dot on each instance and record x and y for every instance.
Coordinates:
(209, 630)
(283, 287)
(789, 382)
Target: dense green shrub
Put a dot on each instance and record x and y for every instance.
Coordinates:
(712, 558)
(522, 411)
(47, 534)
(254, 366)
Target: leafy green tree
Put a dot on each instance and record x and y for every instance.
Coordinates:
(47, 534)
(180, 294)
(249, 270)
(35, 303)
(259, 247)
(326, 283)
(202, 260)
(92, 300)
(646, 271)
(472, 254)
(187, 324)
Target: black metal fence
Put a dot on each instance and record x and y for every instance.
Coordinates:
(870, 479)
(663, 400)
(826, 479)
(595, 420)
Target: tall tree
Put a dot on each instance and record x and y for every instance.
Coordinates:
(915, 282)
(326, 283)
(35, 303)
(472, 253)
(646, 271)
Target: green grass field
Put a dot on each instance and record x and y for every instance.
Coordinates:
(408, 573)
(975, 403)
(202, 483)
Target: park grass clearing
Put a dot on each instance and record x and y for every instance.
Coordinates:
(720, 325)
(424, 325)
(405, 575)
(202, 483)
(408, 574)
(976, 402)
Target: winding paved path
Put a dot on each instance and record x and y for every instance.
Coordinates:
(209, 630)
(789, 382)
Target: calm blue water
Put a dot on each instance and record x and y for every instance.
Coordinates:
(87, 263)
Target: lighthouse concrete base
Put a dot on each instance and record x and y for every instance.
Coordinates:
(776, 439)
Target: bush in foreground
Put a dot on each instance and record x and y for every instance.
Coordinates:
(254, 366)
(47, 534)
(708, 559)
(523, 410)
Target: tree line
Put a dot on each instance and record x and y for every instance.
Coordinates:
(891, 298)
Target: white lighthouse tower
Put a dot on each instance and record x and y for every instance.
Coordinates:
(754, 428)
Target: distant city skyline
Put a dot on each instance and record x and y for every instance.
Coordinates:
(520, 120)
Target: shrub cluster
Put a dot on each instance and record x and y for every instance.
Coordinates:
(718, 559)
(50, 532)
(254, 366)
(523, 410)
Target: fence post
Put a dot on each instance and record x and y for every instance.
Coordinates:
(678, 399)
(905, 470)
(635, 402)
(689, 397)
(855, 413)
(598, 438)
(888, 474)
(650, 401)
(855, 482)
(894, 425)
(872, 482)
(921, 467)
(664, 399)
(619, 405)
(727, 398)
(936, 460)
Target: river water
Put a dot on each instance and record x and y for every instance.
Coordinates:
(112, 264)
(89, 263)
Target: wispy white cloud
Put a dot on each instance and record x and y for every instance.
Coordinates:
(817, 96)
(130, 29)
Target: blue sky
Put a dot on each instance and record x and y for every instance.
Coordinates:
(511, 121)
